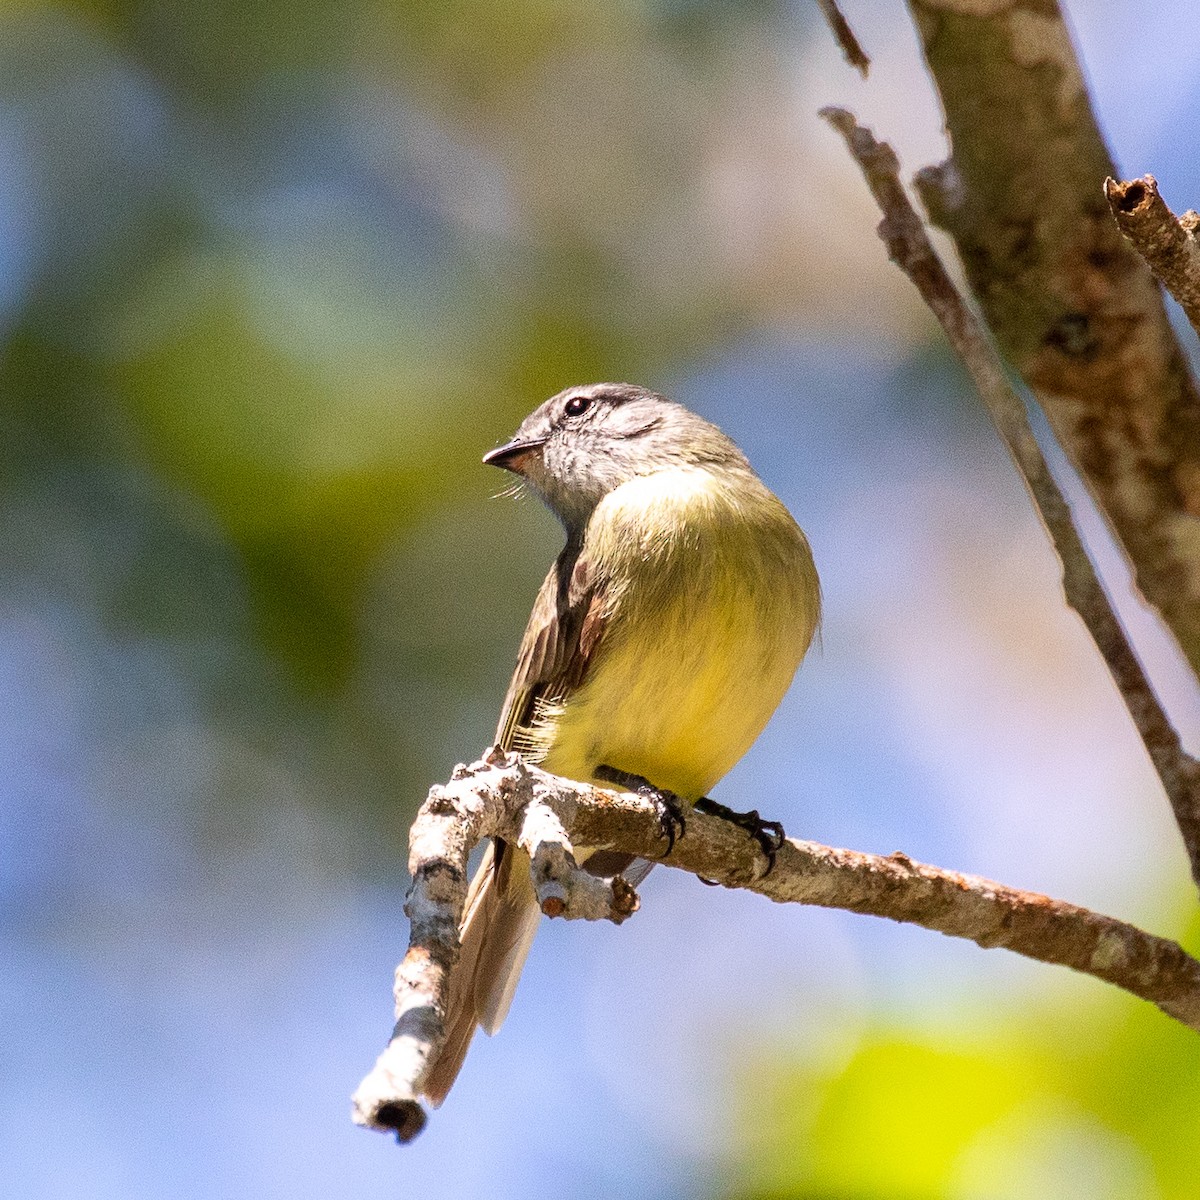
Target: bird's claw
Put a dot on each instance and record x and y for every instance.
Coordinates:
(667, 805)
(768, 834)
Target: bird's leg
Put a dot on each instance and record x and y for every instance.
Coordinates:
(768, 834)
(668, 805)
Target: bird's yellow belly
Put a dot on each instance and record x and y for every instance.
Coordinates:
(680, 691)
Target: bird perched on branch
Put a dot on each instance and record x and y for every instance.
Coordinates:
(662, 640)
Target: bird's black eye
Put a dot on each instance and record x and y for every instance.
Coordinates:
(577, 405)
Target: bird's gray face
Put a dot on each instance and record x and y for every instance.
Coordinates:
(586, 441)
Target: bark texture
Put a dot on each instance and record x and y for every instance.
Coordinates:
(1168, 243)
(1071, 305)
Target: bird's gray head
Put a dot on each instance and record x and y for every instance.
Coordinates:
(586, 441)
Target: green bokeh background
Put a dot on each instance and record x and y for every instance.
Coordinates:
(272, 277)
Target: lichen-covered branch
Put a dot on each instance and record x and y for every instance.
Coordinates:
(494, 795)
(909, 247)
(1168, 243)
(498, 796)
(1070, 304)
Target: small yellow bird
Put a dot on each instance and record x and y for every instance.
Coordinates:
(661, 642)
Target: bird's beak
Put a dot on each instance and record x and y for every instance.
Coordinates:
(513, 455)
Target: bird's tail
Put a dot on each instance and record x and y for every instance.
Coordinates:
(500, 919)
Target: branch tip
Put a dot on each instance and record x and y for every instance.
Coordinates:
(1166, 243)
(1126, 197)
(404, 1118)
(851, 48)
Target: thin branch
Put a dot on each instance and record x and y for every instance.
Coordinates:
(909, 248)
(495, 796)
(855, 55)
(1168, 243)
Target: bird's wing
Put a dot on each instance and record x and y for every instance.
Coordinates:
(565, 627)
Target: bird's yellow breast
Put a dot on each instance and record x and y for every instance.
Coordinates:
(711, 601)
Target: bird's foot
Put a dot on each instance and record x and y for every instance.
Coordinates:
(768, 834)
(667, 805)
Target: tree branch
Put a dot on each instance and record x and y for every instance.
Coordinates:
(1168, 244)
(497, 796)
(909, 247)
(852, 49)
(1071, 306)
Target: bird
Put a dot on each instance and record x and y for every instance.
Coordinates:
(663, 638)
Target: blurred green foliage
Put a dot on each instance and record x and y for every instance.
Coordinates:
(272, 277)
(286, 271)
(1089, 1096)
(285, 315)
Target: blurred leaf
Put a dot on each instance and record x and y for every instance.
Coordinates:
(1099, 1102)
